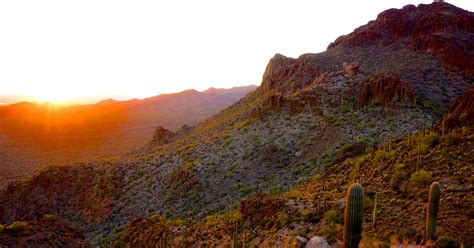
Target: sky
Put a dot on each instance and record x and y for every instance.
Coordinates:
(61, 50)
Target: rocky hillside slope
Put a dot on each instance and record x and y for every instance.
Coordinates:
(313, 115)
(46, 232)
(397, 171)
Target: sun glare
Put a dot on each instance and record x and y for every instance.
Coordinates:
(54, 97)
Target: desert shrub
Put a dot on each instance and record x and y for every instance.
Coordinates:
(244, 189)
(293, 194)
(399, 173)
(276, 190)
(431, 139)
(305, 214)
(381, 155)
(316, 177)
(407, 234)
(372, 242)
(329, 119)
(331, 231)
(334, 217)
(49, 217)
(425, 142)
(350, 151)
(261, 209)
(17, 226)
(452, 138)
(447, 242)
(420, 178)
(283, 219)
(326, 158)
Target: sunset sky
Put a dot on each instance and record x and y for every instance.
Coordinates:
(59, 50)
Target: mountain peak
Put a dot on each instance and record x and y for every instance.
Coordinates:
(439, 28)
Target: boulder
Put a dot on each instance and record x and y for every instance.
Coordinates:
(301, 241)
(317, 242)
(162, 135)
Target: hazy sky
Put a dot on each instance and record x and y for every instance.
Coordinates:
(61, 49)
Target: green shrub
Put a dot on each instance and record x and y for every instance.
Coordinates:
(420, 178)
(283, 219)
(49, 217)
(431, 139)
(276, 190)
(381, 155)
(333, 216)
(17, 226)
(399, 173)
(332, 232)
(425, 142)
(447, 242)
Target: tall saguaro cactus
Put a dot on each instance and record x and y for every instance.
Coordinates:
(353, 216)
(432, 213)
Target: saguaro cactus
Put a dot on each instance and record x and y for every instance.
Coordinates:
(353, 216)
(376, 207)
(432, 212)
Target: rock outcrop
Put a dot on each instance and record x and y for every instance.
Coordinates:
(351, 69)
(439, 28)
(284, 74)
(461, 112)
(162, 135)
(385, 89)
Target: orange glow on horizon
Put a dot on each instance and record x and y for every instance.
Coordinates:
(53, 97)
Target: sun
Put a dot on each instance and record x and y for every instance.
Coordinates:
(55, 97)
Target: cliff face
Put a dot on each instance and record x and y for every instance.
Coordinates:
(429, 47)
(439, 28)
(461, 112)
(386, 90)
(295, 72)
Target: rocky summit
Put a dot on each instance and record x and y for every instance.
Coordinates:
(388, 106)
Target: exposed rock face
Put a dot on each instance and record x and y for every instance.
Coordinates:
(351, 69)
(277, 70)
(274, 102)
(438, 28)
(284, 74)
(385, 89)
(461, 112)
(162, 135)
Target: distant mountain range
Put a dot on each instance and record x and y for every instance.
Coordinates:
(33, 134)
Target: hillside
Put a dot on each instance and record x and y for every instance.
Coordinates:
(36, 135)
(315, 208)
(316, 124)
